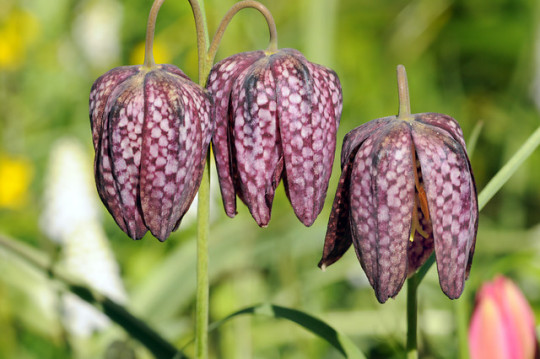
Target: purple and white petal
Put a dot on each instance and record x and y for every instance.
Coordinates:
(382, 200)
(99, 95)
(121, 154)
(220, 82)
(255, 139)
(444, 122)
(358, 135)
(449, 190)
(338, 237)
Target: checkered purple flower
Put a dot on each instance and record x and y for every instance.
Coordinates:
(151, 129)
(276, 117)
(405, 190)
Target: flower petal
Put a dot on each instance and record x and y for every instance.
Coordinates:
(220, 82)
(171, 138)
(382, 200)
(119, 158)
(300, 125)
(358, 135)
(444, 122)
(338, 237)
(255, 137)
(451, 197)
(99, 95)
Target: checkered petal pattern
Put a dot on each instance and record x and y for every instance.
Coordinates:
(276, 118)
(406, 190)
(151, 130)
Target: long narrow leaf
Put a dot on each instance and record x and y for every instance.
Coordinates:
(137, 328)
(339, 341)
(509, 169)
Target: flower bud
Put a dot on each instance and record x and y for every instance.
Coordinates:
(502, 325)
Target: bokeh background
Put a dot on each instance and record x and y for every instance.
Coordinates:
(476, 60)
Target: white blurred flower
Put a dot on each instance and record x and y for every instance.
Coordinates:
(70, 196)
(97, 31)
(71, 218)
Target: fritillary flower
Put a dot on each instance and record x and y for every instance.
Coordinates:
(151, 129)
(406, 190)
(276, 117)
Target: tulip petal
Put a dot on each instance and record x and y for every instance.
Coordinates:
(452, 203)
(99, 95)
(220, 82)
(120, 155)
(382, 201)
(256, 140)
(487, 334)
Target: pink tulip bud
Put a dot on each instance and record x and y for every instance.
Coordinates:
(502, 325)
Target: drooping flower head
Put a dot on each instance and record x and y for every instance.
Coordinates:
(151, 129)
(276, 117)
(406, 189)
(502, 324)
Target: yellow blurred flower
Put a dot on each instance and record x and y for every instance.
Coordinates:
(15, 177)
(161, 54)
(17, 31)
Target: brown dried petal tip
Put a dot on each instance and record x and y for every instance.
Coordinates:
(151, 129)
(276, 117)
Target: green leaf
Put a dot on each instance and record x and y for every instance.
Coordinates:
(339, 341)
(137, 328)
(509, 169)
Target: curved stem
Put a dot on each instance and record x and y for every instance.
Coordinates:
(272, 46)
(197, 7)
(403, 91)
(150, 29)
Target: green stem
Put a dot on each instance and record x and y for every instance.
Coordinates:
(412, 307)
(203, 222)
(462, 317)
(136, 327)
(203, 210)
(403, 92)
(197, 7)
(272, 46)
(150, 29)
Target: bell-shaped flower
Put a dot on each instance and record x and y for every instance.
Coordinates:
(151, 129)
(276, 117)
(502, 324)
(405, 190)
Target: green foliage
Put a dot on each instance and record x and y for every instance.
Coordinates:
(474, 60)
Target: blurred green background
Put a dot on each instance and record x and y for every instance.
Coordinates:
(476, 60)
